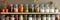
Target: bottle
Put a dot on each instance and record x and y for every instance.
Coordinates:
(20, 8)
(3, 11)
(37, 8)
(30, 17)
(48, 17)
(51, 5)
(34, 17)
(57, 17)
(16, 18)
(47, 8)
(42, 8)
(25, 17)
(53, 17)
(56, 9)
(32, 7)
(26, 8)
(6, 10)
(10, 8)
(16, 8)
(12, 17)
(44, 17)
(7, 18)
(3, 17)
(21, 17)
(39, 17)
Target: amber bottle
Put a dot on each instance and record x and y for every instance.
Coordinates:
(20, 8)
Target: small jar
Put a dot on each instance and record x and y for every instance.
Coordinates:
(30, 17)
(48, 17)
(21, 17)
(53, 17)
(12, 17)
(44, 17)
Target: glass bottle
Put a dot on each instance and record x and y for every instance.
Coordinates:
(10, 8)
(39, 17)
(57, 17)
(53, 17)
(16, 8)
(42, 8)
(16, 18)
(12, 17)
(34, 17)
(3, 17)
(44, 17)
(47, 8)
(6, 10)
(56, 9)
(48, 17)
(26, 8)
(37, 8)
(51, 6)
(32, 7)
(20, 8)
(30, 17)
(21, 17)
(7, 18)
(25, 17)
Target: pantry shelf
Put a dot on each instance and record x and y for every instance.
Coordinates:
(30, 13)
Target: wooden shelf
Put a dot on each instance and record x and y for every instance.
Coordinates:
(29, 13)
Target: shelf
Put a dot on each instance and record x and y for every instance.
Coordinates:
(30, 13)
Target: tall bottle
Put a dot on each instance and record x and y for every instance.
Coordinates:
(39, 17)
(51, 6)
(47, 8)
(30, 17)
(20, 8)
(26, 7)
(48, 17)
(3, 17)
(21, 17)
(10, 8)
(12, 17)
(32, 7)
(42, 8)
(34, 17)
(44, 17)
(16, 17)
(57, 17)
(56, 9)
(7, 18)
(16, 8)
(53, 17)
(36, 8)
(25, 17)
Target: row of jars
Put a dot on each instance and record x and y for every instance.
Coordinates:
(29, 8)
(30, 17)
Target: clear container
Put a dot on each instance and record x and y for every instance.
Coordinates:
(44, 17)
(26, 8)
(39, 17)
(37, 8)
(47, 8)
(30, 17)
(34, 17)
(42, 8)
(16, 8)
(12, 17)
(48, 17)
(7, 18)
(53, 17)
